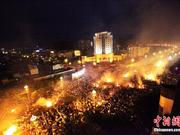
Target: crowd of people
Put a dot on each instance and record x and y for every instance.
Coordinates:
(92, 104)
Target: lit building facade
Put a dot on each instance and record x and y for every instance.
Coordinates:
(136, 51)
(103, 43)
(103, 49)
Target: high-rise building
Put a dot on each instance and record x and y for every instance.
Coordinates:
(103, 43)
(103, 49)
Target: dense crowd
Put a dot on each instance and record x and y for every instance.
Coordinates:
(66, 117)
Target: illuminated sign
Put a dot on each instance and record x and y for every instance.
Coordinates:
(77, 53)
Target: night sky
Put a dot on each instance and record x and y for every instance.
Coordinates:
(25, 22)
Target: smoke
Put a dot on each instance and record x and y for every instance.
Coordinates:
(159, 21)
(134, 73)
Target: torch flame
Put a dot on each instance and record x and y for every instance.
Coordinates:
(44, 102)
(108, 77)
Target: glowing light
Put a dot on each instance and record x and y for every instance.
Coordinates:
(121, 76)
(94, 93)
(170, 58)
(98, 60)
(130, 85)
(126, 75)
(49, 103)
(26, 87)
(79, 61)
(33, 118)
(78, 74)
(44, 102)
(61, 78)
(11, 130)
(108, 77)
(94, 63)
(111, 60)
(97, 85)
(99, 103)
(150, 77)
(132, 60)
(141, 86)
(109, 80)
(135, 71)
(159, 64)
(77, 52)
(65, 60)
(13, 110)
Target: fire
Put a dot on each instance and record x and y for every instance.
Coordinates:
(130, 85)
(160, 64)
(108, 77)
(151, 77)
(140, 83)
(126, 75)
(104, 86)
(11, 130)
(148, 67)
(44, 102)
(48, 104)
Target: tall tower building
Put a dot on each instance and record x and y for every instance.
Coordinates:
(103, 49)
(103, 43)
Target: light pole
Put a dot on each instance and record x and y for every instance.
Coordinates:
(26, 88)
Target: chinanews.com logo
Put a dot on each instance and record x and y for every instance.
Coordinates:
(166, 124)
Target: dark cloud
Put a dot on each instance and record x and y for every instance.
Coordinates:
(23, 20)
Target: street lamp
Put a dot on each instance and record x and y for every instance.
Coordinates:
(26, 88)
(66, 60)
(61, 78)
(79, 61)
